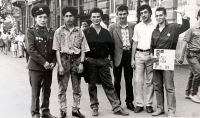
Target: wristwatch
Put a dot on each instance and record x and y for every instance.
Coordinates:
(82, 62)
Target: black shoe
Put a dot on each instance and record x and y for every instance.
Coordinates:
(130, 106)
(48, 116)
(149, 109)
(36, 116)
(63, 114)
(138, 109)
(77, 114)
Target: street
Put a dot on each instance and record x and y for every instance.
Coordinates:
(15, 94)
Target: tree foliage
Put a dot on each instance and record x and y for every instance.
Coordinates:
(7, 8)
(7, 26)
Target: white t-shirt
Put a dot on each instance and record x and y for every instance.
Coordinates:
(142, 34)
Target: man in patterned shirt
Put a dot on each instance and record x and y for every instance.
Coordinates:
(70, 45)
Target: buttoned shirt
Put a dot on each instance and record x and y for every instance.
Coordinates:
(70, 42)
(192, 37)
(125, 37)
(143, 33)
(168, 37)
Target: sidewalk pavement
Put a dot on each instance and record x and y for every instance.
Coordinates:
(15, 94)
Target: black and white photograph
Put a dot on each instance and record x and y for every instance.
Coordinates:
(99, 58)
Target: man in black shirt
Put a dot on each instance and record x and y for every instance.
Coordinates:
(165, 36)
(97, 63)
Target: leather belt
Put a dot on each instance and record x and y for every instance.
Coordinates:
(141, 50)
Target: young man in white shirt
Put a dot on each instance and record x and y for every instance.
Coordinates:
(141, 59)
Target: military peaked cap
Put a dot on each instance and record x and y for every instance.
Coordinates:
(39, 9)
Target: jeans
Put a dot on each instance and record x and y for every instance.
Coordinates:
(128, 76)
(193, 59)
(70, 65)
(93, 70)
(40, 80)
(166, 78)
(142, 66)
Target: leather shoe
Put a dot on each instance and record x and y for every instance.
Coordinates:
(63, 114)
(48, 116)
(130, 106)
(138, 109)
(158, 112)
(149, 109)
(95, 112)
(121, 112)
(77, 114)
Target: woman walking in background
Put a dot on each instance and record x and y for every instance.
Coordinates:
(14, 45)
(6, 41)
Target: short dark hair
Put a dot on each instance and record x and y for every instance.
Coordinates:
(162, 9)
(144, 7)
(70, 9)
(96, 10)
(122, 8)
(105, 16)
(198, 14)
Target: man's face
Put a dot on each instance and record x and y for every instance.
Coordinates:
(95, 18)
(122, 15)
(20, 33)
(41, 20)
(68, 18)
(145, 15)
(160, 17)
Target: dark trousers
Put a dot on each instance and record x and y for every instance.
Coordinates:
(40, 80)
(128, 75)
(93, 70)
(189, 84)
(27, 55)
(193, 59)
(164, 78)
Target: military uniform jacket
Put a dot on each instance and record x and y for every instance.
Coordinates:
(39, 47)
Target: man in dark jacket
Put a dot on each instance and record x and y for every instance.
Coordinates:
(97, 63)
(41, 61)
(165, 36)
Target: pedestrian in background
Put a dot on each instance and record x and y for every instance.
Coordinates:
(165, 36)
(70, 45)
(1, 42)
(41, 62)
(141, 59)
(98, 61)
(6, 42)
(122, 33)
(191, 45)
(14, 45)
(20, 40)
(84, 25)
(9, 41)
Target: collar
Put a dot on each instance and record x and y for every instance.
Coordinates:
(91, 29)
(125, 25)
(74, 30)
(166, 24)
(37, 27)
(150, 23)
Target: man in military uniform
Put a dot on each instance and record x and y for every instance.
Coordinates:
(41, 61)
